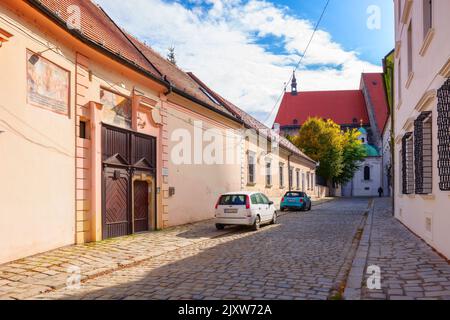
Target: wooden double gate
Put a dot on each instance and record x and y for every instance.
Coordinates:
(126, 156)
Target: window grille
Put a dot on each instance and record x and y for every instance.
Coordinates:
(407, 165)
(443, 122)
(423, 153)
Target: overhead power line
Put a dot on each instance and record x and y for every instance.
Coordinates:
(301, 59)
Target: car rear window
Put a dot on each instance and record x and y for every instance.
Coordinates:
(294, 195)
(235, 199)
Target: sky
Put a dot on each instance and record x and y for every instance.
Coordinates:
(246, 50)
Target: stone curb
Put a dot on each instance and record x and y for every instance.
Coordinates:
(355, 278)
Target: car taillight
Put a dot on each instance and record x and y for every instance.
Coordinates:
(301, 200)
(282, 199)
(247, 202)
(217, 203)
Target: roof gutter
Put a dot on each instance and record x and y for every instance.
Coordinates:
(77, 34)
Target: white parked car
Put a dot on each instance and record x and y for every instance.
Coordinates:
(244, 208)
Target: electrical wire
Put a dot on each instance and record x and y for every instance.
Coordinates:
(300, 61)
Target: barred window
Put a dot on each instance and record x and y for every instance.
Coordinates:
(408, 164)
(423, 153)
(443, 122)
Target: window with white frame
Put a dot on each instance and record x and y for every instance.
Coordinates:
(303, 182)
(297, 176)
(251, 162)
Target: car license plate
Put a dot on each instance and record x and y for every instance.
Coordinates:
(291, 200)
(230, 210)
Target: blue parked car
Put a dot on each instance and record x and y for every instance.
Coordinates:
(295, 200)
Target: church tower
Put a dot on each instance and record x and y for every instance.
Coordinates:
(294, 85)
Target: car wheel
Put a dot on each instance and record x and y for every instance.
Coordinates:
(274, 219)
(220, 226)
(310, 205)
(257, 223)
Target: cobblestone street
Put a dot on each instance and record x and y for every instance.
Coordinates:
(410, 269)
(322, 254)
(303, 257)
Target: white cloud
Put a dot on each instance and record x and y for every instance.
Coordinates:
(218, 41)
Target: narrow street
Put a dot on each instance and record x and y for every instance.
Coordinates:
(303, 257)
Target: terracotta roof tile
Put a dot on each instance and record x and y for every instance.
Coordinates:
(374, 82)
(343, 107)
(179, 78)
(251, 122)
(99, 28)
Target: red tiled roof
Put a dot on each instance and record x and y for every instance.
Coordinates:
(374, 83)
(251, 122)
(340, 106)
(99, 28)
(175, 75)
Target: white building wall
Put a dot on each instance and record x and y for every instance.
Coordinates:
(368, 188)
(426, 215)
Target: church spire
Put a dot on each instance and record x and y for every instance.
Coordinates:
(294, 84)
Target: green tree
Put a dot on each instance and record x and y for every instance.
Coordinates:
(353, 153)
(338, 152)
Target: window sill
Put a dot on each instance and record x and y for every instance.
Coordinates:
(427, 41)
(410, 79)
(427, 196)
(411, 196)
(445, 71)
(268, 186)
(251, 184)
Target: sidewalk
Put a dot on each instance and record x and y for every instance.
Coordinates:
(410, 268)
(50, 270)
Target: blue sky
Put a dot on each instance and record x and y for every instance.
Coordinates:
(246, 49)
(346, 21)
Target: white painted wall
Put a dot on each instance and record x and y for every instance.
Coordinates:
(414, 210)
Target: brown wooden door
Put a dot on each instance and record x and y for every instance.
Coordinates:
(141, 206)
(116, 216)
(125, 153)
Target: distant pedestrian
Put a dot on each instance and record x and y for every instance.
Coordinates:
(380, 192)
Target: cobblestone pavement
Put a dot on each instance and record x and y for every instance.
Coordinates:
(33, 275)
(410, 269)
(50, 270)
(300, 258)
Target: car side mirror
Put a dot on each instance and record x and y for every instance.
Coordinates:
(270, 203)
